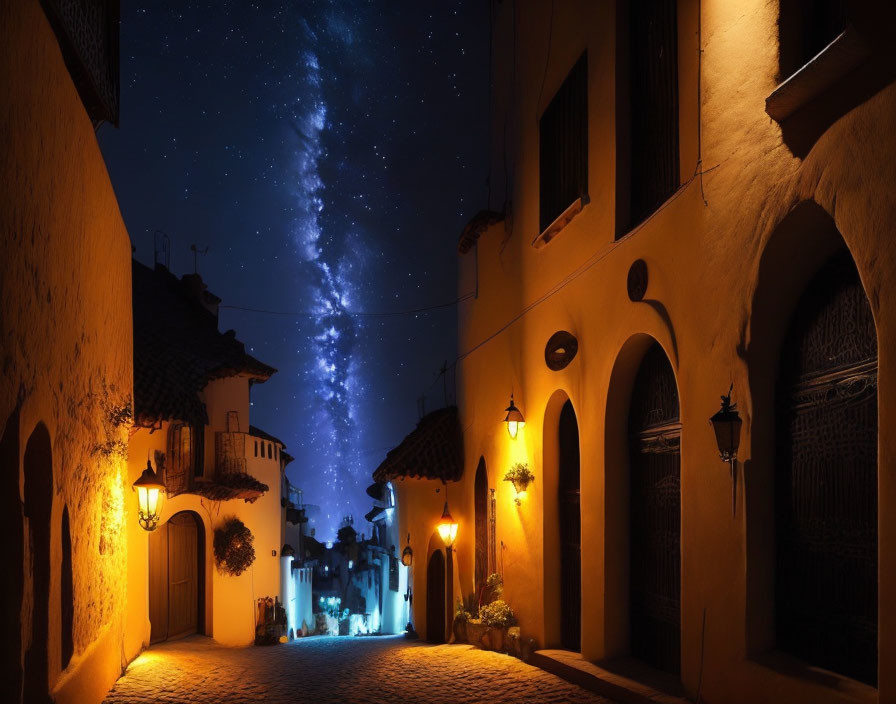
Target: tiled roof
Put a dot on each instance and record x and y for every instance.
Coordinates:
(433, 450)
(478, 224)
(259, 433)
(178, 348)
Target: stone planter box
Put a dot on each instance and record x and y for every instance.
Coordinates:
(485, 637)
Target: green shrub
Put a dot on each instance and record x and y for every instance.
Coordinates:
(498, 614)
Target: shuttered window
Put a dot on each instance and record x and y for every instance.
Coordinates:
(563, 146)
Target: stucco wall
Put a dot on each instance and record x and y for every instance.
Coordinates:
(65, 325)
(718, 296)
(229, 601)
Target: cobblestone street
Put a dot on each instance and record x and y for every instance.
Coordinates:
(330, 669)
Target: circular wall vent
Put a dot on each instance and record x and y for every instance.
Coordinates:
(560, 350)
(637, 280)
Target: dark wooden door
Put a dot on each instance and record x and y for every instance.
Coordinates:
(435, 598)
(175, 577)
(655, 532)
(570, 531)
(480, 501)
(826, 478)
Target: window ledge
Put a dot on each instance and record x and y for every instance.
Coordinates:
(562, 220)
(831, 64)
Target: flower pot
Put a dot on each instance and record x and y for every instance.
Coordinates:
(495, 638)
(475, 633)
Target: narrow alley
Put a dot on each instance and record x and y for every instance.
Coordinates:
(357, 670)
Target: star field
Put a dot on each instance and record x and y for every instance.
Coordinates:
(328, 155)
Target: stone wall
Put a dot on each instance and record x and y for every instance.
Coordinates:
(65, 326)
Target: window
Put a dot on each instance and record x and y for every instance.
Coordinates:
(805, 27)
(270, 451)
(185, 456)
(563, 146)
(256, 448)
(647, 159)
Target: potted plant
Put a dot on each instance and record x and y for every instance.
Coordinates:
(498, 616)
(520, 476)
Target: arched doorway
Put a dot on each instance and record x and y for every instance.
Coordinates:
(480, 506)
(435, 598)
(570, 530)
(176, 560)
(654, 434)
(826, 477)
(38, 470)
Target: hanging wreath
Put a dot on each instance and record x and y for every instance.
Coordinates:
(233, 547)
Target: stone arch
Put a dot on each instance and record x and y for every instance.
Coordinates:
(617, 519)
(801, 271)
(38, 507)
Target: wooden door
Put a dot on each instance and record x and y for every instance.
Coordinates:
(480, 504)
(570, 531)
(655, 515)
(435, 598)
(175, 561)
(826, 478)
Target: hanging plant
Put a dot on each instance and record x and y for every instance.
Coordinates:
(520, 476)
(234, 551)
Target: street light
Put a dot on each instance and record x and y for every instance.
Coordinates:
(447, 527)
(149, 490)
(514, 418)
(727, 423)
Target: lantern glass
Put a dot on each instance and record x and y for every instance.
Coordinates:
(514, 419)
(149, 498)
(447, 527)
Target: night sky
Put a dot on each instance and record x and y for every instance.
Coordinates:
(327, 154)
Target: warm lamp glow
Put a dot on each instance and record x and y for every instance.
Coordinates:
(514, 419)
(447, 527)
(149, 498)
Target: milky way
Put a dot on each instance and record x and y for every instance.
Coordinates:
(327, 154)
(333, 429)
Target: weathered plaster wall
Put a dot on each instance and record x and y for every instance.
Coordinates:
(66, 338)
(229, 601)
(717, 294)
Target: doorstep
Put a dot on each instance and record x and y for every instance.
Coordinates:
(624, 680)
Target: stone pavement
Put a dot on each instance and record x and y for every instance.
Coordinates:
(325, 669)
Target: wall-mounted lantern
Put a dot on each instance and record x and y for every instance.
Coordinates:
(149, 490)
(407, 555)
(520, 476)
(727, 423)
(514, 418)
(447, 527)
